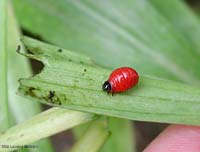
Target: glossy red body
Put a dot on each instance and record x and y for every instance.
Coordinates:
(123, 79)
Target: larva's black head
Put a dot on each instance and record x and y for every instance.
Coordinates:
(106, 86)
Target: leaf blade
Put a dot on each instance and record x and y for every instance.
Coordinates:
(146, 41)
(183, 20)
(94, 137)
(45, 124)
(153, 99)
(4, 110)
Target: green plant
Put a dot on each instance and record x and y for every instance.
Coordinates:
(139, 33)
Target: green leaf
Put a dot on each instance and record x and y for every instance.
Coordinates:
(121, 139)
(182, 18)
(20, 108)
(4, 111)
(94, 137)
(78, 86)
(122, 135)
(115, 33)
(43, 125)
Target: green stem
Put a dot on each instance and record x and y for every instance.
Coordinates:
(43, 125)
(94, 137)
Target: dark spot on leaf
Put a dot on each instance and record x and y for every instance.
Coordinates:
(31, 92)
(18, 48)
(21, 135)
(81, 62)
(51, 95)
(60, 50)
(31, 88)
(85, 70)
(28, 49)
(70, 60)
(52, 98)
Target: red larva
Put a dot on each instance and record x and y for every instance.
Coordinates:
(120, 80)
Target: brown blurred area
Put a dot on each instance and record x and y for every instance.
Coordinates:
(145, 131)
(193, 3)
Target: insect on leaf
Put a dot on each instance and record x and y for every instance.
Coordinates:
(78, 86)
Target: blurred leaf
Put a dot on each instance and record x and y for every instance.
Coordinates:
(115, 33)
(20, 108)
(94, 137)
(182, 18)
(43, 125)
(4, 111)
(78, 86)
(121, 138)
